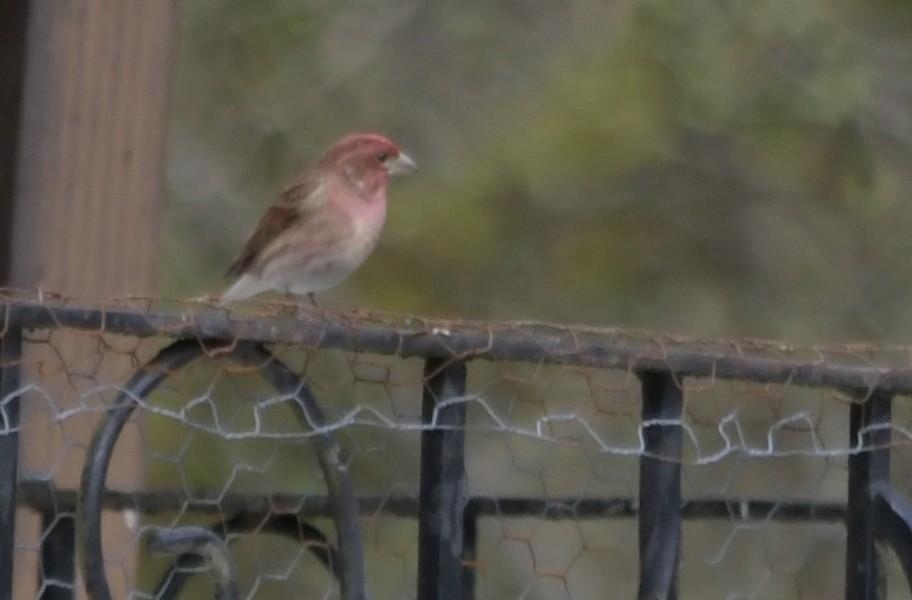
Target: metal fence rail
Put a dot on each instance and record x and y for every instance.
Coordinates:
(447, 511)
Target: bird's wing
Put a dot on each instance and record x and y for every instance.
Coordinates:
(297, 202)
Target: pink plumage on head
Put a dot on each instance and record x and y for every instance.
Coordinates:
(322, 227)
(357, 147)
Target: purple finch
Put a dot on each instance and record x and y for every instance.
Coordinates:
(323, 226)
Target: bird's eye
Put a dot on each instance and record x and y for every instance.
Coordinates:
(382, 157)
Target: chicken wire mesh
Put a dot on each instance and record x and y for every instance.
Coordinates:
(226, 434)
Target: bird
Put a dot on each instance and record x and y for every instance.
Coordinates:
(323, 226)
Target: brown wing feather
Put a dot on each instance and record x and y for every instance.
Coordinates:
(296, 202)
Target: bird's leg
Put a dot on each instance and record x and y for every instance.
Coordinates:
(306, 313)
(301, 312)
(293, 305)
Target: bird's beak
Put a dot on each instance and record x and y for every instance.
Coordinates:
(403, 165)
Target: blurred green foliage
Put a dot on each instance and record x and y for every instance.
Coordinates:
(724, 168)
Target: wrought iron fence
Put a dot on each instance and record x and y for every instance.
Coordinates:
(388, 458)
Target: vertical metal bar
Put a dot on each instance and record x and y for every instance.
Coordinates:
(869, 466)
(469, 550)
(58, 549)
(442, 493)
(10, 375)
(660, 487)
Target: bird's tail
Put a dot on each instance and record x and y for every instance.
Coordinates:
(244, 287)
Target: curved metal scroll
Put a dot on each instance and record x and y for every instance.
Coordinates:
(173, 581)
(894, 517)
(208, 547)
(350, 562)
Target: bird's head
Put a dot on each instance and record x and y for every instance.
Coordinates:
(367, 161)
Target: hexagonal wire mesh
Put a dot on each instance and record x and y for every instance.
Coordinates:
(275, 456)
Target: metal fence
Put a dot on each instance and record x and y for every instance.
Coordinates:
(389, 458)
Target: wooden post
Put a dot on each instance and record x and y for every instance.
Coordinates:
(86, 218)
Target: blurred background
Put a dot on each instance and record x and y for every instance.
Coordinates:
(720, 168)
